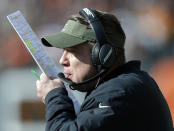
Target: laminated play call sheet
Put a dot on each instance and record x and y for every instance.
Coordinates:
(33, 44)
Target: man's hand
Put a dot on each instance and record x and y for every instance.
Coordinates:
(45, 85)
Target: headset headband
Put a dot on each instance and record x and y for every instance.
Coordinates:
(95, 24)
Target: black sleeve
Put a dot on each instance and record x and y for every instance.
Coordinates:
(60, 114)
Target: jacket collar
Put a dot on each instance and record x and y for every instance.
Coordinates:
(130, 66)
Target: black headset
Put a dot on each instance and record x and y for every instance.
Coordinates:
(103, 54)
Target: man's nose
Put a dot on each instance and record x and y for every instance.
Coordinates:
(64, 59)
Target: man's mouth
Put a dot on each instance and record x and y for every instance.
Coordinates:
(68, 76)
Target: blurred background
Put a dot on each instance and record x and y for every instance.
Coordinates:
(148, 24)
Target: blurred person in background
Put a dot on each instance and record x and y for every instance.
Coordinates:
(61, 8)
(163, 73)
(156, 33)
(14, 52)
(120, 96)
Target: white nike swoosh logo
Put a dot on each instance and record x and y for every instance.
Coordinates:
(100, 106)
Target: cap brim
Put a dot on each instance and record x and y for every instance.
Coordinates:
(61, 40)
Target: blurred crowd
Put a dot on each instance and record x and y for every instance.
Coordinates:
(148, 24)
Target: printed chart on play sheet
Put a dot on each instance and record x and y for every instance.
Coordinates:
(33, 44)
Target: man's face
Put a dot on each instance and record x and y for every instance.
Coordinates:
(78, 65)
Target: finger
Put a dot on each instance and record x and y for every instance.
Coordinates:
(52, 78)
(37, 83)
(43, 100)
(57, 80)
(58, 83)
(39, 87)
(43, 77)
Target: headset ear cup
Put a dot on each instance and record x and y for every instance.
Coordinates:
(95, 54)
(107, 56)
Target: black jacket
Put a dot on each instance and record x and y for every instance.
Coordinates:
(128, 100)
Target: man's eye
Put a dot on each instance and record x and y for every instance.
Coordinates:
(72, 50)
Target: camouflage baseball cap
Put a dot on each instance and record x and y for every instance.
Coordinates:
(72, 34)
(75, 33)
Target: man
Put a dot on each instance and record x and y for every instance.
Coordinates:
(120, 97)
